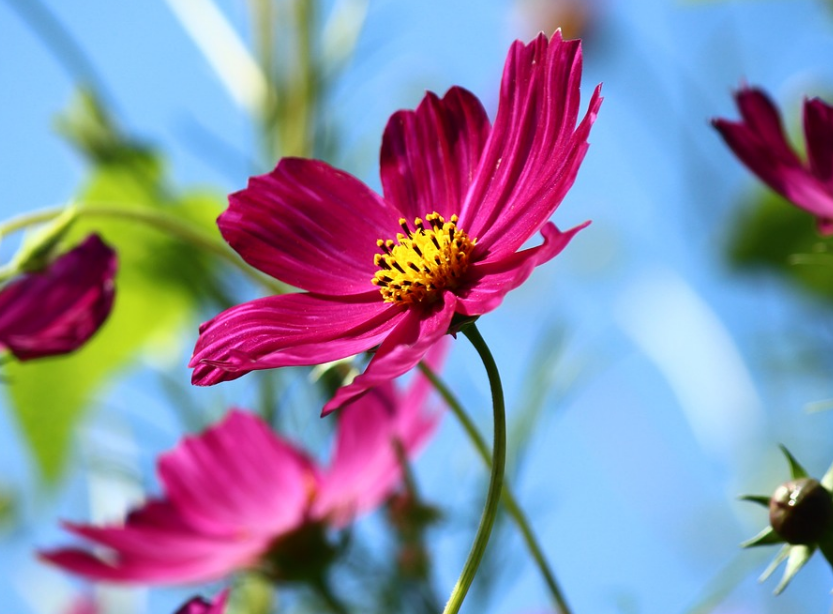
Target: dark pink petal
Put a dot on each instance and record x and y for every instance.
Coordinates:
(198, 605)
(403, 348)
(495, 279)
(793, 182)
(158, 554)
(429, 155)
(759, 142)
(174, 569)
(230, 492)
(365, 467)
(535, 148)
(290, 329)
(762, 118)
(818, 130)
(56, 310)
(311, 226)
(238, 477)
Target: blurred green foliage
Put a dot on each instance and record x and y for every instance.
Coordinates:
(773, 234)
(160, 284)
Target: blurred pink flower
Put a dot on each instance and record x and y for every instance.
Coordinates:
(198, 605)
(235, 495)
(56, 310)
(760, 143)
(460, 199)
(85, 604)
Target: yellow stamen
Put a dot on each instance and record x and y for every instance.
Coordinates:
(422, 262)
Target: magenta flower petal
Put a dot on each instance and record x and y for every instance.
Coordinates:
(762, 119)
(175, 570)
(228, 494)
(172, 555)
(818, 129)
(247, 496)
(365, 466)
(495, 280)
(290, 329)
(430, 155)
(309, 225)
(198, 605)
(534, 151)
(56, 310)
(400, 352)
(758, 140)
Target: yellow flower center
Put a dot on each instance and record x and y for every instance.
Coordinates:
(422, 262)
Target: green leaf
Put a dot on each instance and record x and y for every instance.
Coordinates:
(773, 234)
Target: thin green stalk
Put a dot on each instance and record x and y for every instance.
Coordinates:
(509, 501)
(487, 520)
(158, 220)
(25, 220)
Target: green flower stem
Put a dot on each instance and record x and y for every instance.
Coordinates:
(25, 220)
(487, 520)
(158, 220)
(507, 496)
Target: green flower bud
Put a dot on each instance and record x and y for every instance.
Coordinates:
(801, 511)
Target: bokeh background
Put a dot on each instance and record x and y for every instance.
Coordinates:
(651, 369)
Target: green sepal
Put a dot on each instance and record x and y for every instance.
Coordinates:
(799, 555)
(827, 480)
(767, 537)
(796, 470)
(39, 247)
(759, 499)
(782, 555)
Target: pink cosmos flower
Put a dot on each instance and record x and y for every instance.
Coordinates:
(760, 143)
(238, 496)
(85, 604)
(56, 310)
(461, 197)
(198, 605)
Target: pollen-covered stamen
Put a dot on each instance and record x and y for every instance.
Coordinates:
(424, 261)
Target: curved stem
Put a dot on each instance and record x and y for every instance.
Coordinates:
(161, 221)
(25, 220)
(487, 520)
(509, 501)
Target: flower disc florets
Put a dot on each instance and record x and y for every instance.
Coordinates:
(424, 261)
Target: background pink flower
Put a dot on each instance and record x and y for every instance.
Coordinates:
(232, 493)
(56, 310)
(760, 143)
(198, 605)
(460, 199)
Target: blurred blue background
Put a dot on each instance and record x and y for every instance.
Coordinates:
(672, 375)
